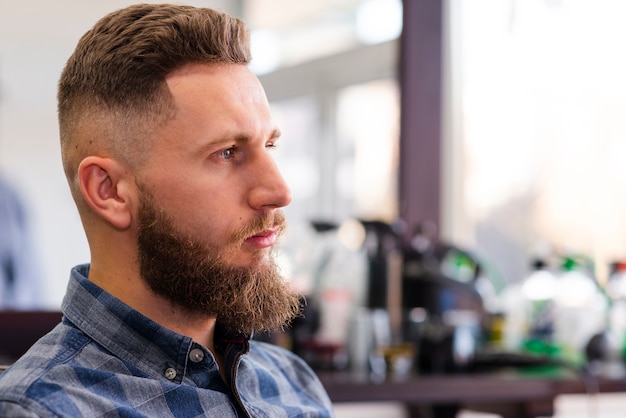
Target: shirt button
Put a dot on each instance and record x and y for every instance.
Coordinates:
(170, 373)
(196, 355)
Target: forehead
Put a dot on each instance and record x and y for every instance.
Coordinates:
(222, 82)
(218, 99)
(214, 103)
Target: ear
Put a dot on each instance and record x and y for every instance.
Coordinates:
(104, 184)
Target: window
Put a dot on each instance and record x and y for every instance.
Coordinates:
(538, 109)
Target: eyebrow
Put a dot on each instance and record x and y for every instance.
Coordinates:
(275, 134)
(242, 138)
(245, 138)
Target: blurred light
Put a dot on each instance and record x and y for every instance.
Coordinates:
(541, 285)
(578, 291)
(302, 175)
(265, 48)
(351, 234)
(378, 20)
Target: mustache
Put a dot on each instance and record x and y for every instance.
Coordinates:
(274, 220)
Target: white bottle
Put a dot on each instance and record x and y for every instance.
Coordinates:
(539, 291)
(580, 312)
(529, 308)
(616, 291)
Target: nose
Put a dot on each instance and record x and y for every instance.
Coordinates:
(269, 189)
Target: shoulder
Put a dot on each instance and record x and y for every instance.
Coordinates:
(55, 347)
(41, 373)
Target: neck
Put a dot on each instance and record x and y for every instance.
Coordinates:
(200, 328)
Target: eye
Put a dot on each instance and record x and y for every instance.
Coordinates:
(271, 145)
(228, 153)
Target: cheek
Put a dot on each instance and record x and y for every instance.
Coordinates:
(204, 217)
(207, 208)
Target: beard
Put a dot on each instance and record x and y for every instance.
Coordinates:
(198, 278)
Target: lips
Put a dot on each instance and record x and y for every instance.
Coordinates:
(263, 239)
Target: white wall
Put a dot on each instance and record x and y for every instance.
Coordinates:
(36, 38)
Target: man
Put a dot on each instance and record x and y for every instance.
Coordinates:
(166, 139)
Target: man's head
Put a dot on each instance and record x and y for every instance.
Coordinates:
(112, 92)
(165, 136)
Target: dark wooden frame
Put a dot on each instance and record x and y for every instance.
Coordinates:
(421, 88)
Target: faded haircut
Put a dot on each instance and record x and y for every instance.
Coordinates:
(112, 92)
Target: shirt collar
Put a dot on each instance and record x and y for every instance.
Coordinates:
(132, 336)
(119, 328)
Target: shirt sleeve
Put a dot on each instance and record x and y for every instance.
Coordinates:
(11, 409)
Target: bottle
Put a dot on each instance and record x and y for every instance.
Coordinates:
(580, 309)
(616, 291)
(616, 334)
(538, 291)
(340, 275)
(528, 307)
(514, 311)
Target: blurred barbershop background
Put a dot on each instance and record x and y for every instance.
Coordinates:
(458, 171)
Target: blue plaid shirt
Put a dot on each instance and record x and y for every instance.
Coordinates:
(107, 360)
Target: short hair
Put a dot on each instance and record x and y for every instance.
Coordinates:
(112, 92)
